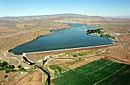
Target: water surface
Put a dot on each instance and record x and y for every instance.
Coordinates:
(63, 39)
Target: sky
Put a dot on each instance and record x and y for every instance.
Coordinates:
(49, 7)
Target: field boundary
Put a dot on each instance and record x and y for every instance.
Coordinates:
(109, 75)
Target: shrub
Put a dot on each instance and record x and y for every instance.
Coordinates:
(21, 68)
(56, 68)
(10, 50)
(6, 67)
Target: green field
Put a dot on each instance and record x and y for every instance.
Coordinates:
(101, 72)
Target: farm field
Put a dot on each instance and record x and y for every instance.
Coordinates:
(100, 72)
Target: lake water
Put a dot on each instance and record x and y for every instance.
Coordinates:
(74, 37)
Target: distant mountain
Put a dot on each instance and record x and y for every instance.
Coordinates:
(68, 15)
(124, 16)
(56, 16)
(48, 17)
(28, 18)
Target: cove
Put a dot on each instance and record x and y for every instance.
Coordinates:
(74, 37)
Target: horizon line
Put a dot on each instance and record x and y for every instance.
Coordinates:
(120, 16)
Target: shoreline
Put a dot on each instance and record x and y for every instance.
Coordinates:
(65, 49)
(59, 50)
(69, 49)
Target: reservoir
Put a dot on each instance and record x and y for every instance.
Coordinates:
(74, 37)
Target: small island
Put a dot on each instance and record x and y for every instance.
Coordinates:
(100, 33)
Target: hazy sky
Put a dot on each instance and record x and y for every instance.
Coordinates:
(45, 7)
